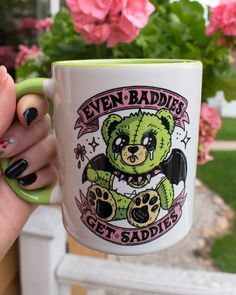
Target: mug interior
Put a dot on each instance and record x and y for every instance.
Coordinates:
(121, 62)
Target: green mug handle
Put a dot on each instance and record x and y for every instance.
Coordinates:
(40, 196)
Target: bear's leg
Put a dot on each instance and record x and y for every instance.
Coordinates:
(106, 204)
(144, 208)
(166, 192)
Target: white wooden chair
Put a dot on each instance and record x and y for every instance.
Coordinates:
(46, 268)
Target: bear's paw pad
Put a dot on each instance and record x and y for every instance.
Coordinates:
(144, 209)
(101, 202)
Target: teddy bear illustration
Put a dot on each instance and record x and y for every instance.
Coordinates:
(131, 183)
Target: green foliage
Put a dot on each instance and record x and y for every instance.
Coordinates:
(228, 130)
(224, 253)
(175, 30)
(33, 69)
(62, 43)
(219, 175)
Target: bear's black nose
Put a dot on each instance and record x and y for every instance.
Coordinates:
(133, 149)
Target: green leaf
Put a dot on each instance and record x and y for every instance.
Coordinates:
(228, 86)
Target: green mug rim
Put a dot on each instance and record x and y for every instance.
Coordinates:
(122, 62)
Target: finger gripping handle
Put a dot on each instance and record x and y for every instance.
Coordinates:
(40, 196)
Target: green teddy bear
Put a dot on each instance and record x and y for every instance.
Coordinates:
(136, 189)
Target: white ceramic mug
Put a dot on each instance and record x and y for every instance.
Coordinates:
(127, 138)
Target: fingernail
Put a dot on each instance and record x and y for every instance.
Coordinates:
(28, 179)
(6, 146)
(30, 114)
(3, 75)
(16, 168)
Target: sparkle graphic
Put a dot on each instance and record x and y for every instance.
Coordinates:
(93, 144)
(185, 140)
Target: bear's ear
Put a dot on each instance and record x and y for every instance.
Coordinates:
(109, 126)
(167, 119)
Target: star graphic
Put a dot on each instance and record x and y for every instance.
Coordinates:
(93, 144)
(185, 140)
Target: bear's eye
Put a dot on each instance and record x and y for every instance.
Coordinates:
(149, 141)
(120, 142)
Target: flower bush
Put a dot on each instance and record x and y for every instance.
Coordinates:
(110, 21)
(43, 24)
(128, 29)
(27, 24)
(223, 20)
(210, 123)
(25, 54)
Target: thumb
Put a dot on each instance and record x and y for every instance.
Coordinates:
(7, 100)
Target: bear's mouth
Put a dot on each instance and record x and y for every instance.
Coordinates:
(132, 158)
(137, 179)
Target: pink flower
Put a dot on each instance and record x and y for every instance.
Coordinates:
(122, 31)
(203, 154)
(27, 24)
(111, 21)
(223, 19)
(95, 8)
(28, 53)
(7, 56)
(43, 24)
(137, 12)
(96, 34)
(211, 116)
(225, 1)
(210, 123)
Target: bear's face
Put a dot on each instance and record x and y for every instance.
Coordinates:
(138, 143)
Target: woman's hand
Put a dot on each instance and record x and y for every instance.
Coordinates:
(25, 138)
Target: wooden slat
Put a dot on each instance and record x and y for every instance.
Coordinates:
(76, 248)
(101, 273)
(96, 291)
(14, 288)
(9, 268)
(42, 247)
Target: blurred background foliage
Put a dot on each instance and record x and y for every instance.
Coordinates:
(12, 12)
(175, 30)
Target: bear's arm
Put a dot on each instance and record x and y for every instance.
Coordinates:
(100, 177)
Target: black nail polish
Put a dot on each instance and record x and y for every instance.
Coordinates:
(16, 168)
(30, 114)
(28, 179)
